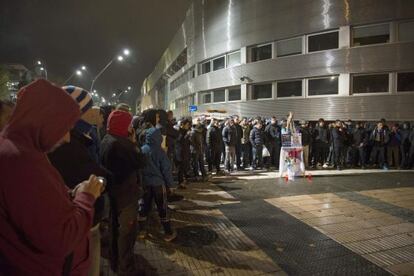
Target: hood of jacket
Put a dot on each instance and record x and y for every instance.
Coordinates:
(153, 137)
(38, 125)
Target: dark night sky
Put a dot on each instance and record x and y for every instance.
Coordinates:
(67, 33)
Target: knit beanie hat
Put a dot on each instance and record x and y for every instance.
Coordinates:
(81, 96)
(119, 122)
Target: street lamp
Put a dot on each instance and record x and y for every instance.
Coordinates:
(39, 62)
(125, 53)
(77, 72)
(43, 69)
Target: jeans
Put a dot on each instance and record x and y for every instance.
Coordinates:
(378, 153)
(230, 157)
(246, 152)
(182, 167)
(257, 156)
(124, 233)
(393, 151)
(198, 164)
(238, 155)
(321, 151)
(306, 155)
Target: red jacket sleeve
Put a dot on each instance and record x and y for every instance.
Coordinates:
(39, 207)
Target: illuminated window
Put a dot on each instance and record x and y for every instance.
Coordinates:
(323, 86)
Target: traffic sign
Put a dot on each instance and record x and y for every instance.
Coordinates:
(192, 108)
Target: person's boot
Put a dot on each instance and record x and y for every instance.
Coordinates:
(142, 229)
(169, 233)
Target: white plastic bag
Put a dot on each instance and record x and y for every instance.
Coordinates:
(265, 152)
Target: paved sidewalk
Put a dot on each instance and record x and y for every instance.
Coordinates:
(350, 224)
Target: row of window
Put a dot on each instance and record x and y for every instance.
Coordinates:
(362, 35)
(221, 95)
(185, 77)
(328, 85)
(225, 61)
(178, 63)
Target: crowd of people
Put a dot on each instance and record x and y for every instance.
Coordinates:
(72, 171)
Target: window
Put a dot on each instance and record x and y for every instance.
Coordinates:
(219, 96)
(289, 47)
(234, 94)
(406, 31)
(219, 63)
(371, 34)
(325, 41)
(261, 91)
(405, 81)
(205, 98)
(323, 86)
(289, 89)
(233, 59)
(370, 83)
(261, 52)
(205, 67)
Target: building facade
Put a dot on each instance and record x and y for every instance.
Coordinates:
(336, 59)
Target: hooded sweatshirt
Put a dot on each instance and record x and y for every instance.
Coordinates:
(39, 224)
(157, 171)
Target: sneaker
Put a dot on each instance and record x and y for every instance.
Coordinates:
(142, 234)
(170, 237)
(325, 166)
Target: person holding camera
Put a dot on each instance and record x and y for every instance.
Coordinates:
(76, 162)
(44, 228)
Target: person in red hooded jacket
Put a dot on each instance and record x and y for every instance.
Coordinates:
(120, 155)
(41, 221)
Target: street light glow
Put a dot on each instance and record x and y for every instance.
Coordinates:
(39, 62)
(42, 69)
(129, 88)
(79, 72)
(120, 58)
(103, 99)
(126, 52)
(83, 68)
(113, 95)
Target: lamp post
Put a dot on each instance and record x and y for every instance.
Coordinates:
(125, 53)
(43, 69)
(77, 72)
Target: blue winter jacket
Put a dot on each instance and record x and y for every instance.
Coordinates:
(157, 171)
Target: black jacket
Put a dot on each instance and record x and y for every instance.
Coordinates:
(75, 165)
(239, 134)
(359, 136)
(214, 139)
(124, 160)
(197, 139)
(182, 146)
(172, 135)
(273, 133)
(338, 137)
(256, 137)
(321, 134)
(229, 136)
(306, 136)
